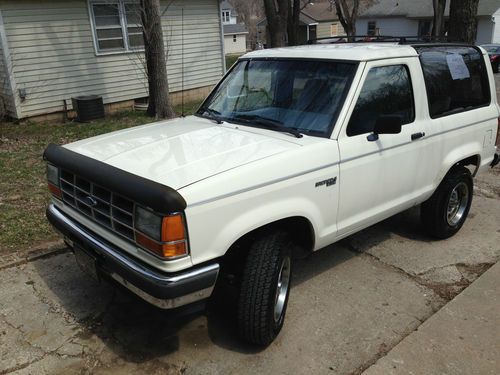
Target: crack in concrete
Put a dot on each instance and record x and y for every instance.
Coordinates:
(444, 291)
(12, 325)
(32, 256)
(45, 354)
(53, 307)
(40, 353)
(19, 366)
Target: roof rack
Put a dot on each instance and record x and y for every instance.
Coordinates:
(381, 39)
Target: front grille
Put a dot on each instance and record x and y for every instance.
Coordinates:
(102, 205)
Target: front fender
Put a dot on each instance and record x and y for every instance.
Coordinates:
(263, 215)
(212, 238)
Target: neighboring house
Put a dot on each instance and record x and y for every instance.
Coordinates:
(411, 18)
(235, 39)
(326, 18)
(228, 14)
(235, 34)
(52, 50)
(316, 20)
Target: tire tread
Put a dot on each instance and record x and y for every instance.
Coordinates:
(255, 305)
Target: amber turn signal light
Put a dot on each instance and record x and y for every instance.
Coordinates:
(55, 190)
(172, 242)
(172, 228)
(165, 250)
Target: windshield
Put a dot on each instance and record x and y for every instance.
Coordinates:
(296, 95)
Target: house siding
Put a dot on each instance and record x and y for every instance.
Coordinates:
(484, 31)
(324, 29)
(6, 78)
(240, 46)
(53, 55)
(397, 26)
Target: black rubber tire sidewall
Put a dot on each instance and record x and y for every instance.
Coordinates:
(434, 210)
(259, 281)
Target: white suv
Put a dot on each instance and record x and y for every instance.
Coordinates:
(295, 148)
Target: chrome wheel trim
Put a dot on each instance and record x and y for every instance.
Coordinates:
(457, 203)
(282, 288)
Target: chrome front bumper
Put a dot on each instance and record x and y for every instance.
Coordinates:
(166, 291)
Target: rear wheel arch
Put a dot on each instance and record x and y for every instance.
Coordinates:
(474, 160)
(437, 211)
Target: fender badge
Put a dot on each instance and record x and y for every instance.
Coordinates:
(329, 182)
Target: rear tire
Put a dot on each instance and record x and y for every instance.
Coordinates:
(444, 213)
(495, 67)
(265, 288)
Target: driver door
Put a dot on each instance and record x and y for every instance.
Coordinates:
(382, 177)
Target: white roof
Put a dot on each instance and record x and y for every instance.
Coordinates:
(340, 51)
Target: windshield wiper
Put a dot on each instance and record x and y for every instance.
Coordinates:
(212, 114)
(267, 123)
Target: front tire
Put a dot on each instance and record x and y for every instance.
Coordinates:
(265, 288)
(444, 213)
(495, 67)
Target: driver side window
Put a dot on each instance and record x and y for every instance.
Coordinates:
(387, 90)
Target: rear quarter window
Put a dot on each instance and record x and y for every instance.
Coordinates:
(456, 79)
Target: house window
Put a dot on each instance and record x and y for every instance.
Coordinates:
(372, 28)
(226, 16)
(234, 38)
(116, 26)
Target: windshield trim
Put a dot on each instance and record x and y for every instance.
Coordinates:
(335, 117)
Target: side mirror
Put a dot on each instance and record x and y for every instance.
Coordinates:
(386, 124)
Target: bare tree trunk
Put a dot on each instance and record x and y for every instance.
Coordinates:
(347, 17)
(293, 22)
(159, 98)
(438, 20)
(463, 21)
(277, 20)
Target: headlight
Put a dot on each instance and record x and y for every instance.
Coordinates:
(163, 235)
(148, 223)
(53, 174)
(53, 180)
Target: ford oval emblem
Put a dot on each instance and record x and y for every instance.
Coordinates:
(91, 201)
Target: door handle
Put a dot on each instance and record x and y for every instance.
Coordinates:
(416, 136)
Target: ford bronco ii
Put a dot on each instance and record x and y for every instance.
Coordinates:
(295, 148)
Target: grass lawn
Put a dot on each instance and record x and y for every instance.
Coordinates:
(23, 187)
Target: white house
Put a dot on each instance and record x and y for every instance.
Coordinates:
(52, 50)
(411, 18)
(235, 34)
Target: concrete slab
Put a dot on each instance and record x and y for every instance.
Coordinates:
(345, 310)
(461, 338)
(400, 242)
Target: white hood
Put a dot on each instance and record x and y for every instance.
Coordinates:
(180, 152)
